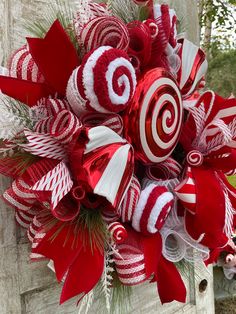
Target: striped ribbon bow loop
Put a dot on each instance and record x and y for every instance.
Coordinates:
(186, 192)
(130, 265)
(108, 161)
(112, 121)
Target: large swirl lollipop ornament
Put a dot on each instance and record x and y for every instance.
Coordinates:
(155, 114)
(105, 82)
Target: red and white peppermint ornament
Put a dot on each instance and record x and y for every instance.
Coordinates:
(105, 31)
(186, 192)
(105, 82)
(22, 66)
(118, 232)
(153, 208)
(156, 115)
(193, 67)
(194, 158)
(130, 265)
(130, 201)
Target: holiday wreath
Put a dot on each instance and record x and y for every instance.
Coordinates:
(119, 161)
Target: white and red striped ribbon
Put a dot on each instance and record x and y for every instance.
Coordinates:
(33, 229)
(43, 126)
(109, 216)
(58, 181)
(65, 126)
(166, 170)
(186, 192)
(130, 265)
(25, 218)
(103, 31)
(130, 201)
(19, 196)
(43, 145)
(112, 121)
(54, 106)
(118, 232)
(193, 68)
(37, 238)
(22, 66)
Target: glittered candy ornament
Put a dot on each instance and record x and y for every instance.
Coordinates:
(155, 114)
(105, 82)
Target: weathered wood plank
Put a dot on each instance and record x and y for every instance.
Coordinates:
(32, 275)
(10, 301)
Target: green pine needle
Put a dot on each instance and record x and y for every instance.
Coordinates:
(61, 10)
(91, 220)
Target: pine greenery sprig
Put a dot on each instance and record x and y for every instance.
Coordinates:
(61, 10)
(127, 10)
(91, 221)
(14, 117)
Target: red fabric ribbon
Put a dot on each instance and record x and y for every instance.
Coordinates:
(209, 218)
(24, 91)
(169, 282)
(55, 56)
(82, 265)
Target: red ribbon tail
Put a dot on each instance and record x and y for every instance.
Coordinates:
(152, 248)
(59, 248)
(84, 274)
(170, 284)
(55, 56)
(24, 91)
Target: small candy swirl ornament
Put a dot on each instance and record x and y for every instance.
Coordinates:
(155, 114)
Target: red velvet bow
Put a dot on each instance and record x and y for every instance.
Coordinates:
(82, 265)
(169, 282)
(56, 58)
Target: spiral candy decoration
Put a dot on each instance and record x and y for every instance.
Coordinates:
(194, 158)
(118, 232)
(105, 82)
(156, 114)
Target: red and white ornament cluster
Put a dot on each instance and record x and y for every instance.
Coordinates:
(110, 133)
